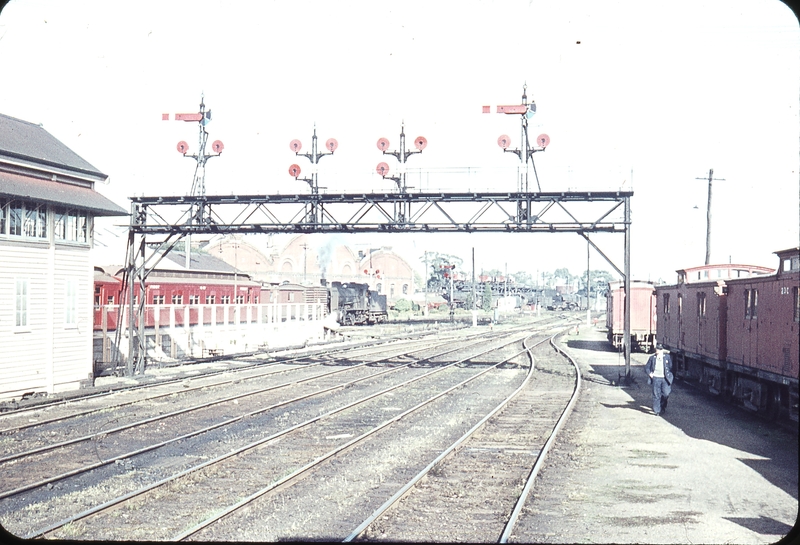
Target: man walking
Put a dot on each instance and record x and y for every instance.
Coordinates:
(659, 371)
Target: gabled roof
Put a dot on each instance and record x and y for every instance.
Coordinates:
(200, 262)
(30, 143)
(35, 165)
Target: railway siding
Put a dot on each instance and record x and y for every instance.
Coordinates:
(468, 496)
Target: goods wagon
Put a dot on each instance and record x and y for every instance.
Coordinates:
(733, 330)
(643, 314)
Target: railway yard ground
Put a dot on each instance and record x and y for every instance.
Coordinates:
(704, 472)
(315, 448)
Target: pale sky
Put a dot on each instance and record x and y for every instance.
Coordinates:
(634, 94)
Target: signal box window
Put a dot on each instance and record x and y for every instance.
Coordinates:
(71, 302)
(21, 303)
(70, 225)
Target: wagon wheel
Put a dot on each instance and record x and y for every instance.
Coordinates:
(773, 410)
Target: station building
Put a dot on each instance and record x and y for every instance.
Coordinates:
(48, 203)
(302, 261)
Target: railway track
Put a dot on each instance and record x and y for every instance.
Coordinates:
(83, 428)
(282, 441)
(475, 489)
(39, 501)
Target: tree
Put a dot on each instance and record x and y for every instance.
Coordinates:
(597, 278)
(487, 298)
(436, 262)
(523, 278)
(565, 274)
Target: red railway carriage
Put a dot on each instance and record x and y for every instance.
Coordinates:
(643, 314)
(178, 289)
(106, 292)
(734, 330)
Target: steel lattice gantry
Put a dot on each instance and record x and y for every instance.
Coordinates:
(166, 220)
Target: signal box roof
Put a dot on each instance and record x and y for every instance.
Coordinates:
(35, 165)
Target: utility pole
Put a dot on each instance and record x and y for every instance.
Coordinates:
(708, 213)
(305, 262)
(588, 287)
(474, 295)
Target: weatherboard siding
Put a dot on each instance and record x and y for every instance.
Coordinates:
(46, 355)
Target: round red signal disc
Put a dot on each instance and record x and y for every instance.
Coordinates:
(218, 146)
(543, 140)
(383, 144)
(183, 147)
(504, 141)
(382, 169)
(294, 170)
(295, 145)
(420, 142)
(332, 144)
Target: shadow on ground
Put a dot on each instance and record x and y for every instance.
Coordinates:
(700, 415)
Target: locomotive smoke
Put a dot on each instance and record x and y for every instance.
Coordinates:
(324, 254)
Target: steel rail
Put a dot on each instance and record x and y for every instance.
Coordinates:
(512, 521)
(16, 412)
(240, 450)
(155, 446)
(200, 431)
(317, 461)
(200, 406)
(320, 349)
(449, 450)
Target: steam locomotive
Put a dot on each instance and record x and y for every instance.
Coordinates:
(356, 304)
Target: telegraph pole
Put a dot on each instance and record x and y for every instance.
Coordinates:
(708, 213)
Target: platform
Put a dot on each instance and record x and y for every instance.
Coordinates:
(705, 472)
